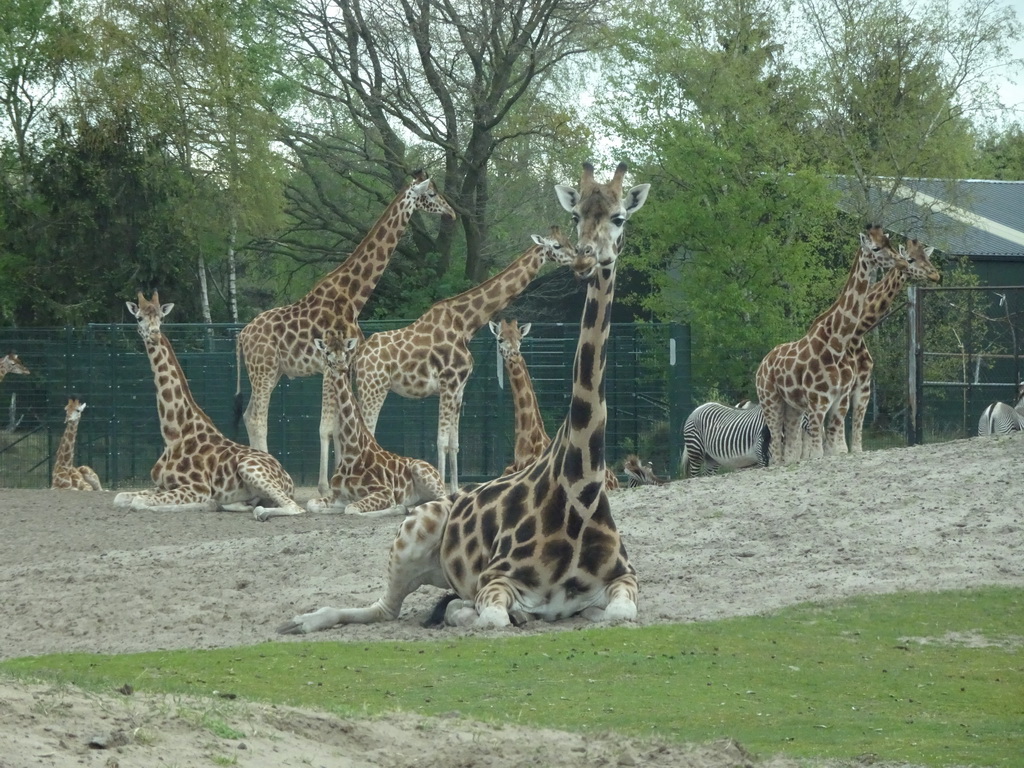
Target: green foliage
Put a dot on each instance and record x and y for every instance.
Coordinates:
(929, 679)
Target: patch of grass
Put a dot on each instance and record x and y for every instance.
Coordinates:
(935, 678)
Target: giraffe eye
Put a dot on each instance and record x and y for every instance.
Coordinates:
(575, 218)
(618, 221)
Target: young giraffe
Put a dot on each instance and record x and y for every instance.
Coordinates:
(369, 480)
(531, 436)
(803, 377)
(431, 355)
(540, 542)
(65, 474)
(858, 364)
(199, 469)
(11, 363)
(279, 342)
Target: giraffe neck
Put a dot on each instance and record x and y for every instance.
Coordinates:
(354, 280)
(470, 309)
(529, 422)
(582, 434)
(177, 410)
(838, 325)
(66, 450)
(880, 298)
(355, 435)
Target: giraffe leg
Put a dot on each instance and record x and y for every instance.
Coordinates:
(182, 499)
(621, 596)
(449, 408)
(255, 415)
(835, 427)
(413, 562)
(328, 434)
(815, 426)
(792, 435)
(89, 476)
(861, 396)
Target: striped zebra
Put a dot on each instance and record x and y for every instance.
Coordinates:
(717, 435)
(639, 473)
(1001, 419)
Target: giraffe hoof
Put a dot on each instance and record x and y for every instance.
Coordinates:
(260, 514)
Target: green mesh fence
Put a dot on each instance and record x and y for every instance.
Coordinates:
(648, 393)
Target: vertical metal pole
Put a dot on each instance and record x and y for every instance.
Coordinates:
(680, 391)
(915, 365)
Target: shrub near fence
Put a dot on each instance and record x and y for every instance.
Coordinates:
(648, 393)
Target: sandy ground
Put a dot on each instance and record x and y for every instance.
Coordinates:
(78, 575)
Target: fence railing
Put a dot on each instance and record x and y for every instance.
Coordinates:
(964, 352)
(648, 392)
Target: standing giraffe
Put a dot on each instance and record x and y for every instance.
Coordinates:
(279, 342)
(804, 377)
(531, 436)
(858, 364)
(540, 542)
(369, 480)
(65, 473)
(431, 355)
(199, 469)
(11, 363)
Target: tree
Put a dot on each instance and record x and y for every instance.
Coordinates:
(452, 86)
(733, 246)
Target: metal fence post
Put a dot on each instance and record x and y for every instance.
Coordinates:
(680, 389)
(915, 365)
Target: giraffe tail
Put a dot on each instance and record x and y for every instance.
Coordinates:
(436, 617)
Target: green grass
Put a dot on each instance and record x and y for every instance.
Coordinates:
(822, 681)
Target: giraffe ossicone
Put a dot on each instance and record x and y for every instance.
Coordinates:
(199, 469)
(279, 341)
(540, 543)
(66, 476)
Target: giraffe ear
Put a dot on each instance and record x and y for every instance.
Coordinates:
(133, 308)
(165, 309)
(350, 344)
(929, 251)
(495, 328)
(567, 196)
(537, 239)
(635, 198)
(320, 346)
(525, 328)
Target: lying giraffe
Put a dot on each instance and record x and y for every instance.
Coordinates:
(531, 436)
(11, 363)
(804, 377)
(199, 469)
(858, 364)
(431, 355)
(369, 480)
(65, 474)
(541, 542)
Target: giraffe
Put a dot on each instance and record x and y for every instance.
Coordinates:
(11, 363)
(858, 364)
(431, 355)
(531, 436)
(65, 474)
(541, 542)
(369, 480)
(803, 377)
(640, 473)
(199, 469)
(279, 341)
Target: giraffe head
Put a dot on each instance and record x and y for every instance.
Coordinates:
(510, 336)
(73, 411)
(600, 211)
(11, 363)
(149, 314)
(878, 250)
(919, 265)
(424, 196)
(338, 352)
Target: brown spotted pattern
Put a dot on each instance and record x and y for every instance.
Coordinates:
(540, 542)
(279, 342)
(368, 480)
(857, 364)
(531, 437)
(805, 377)
(431, 355)
(65, 474)
(199, 469)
